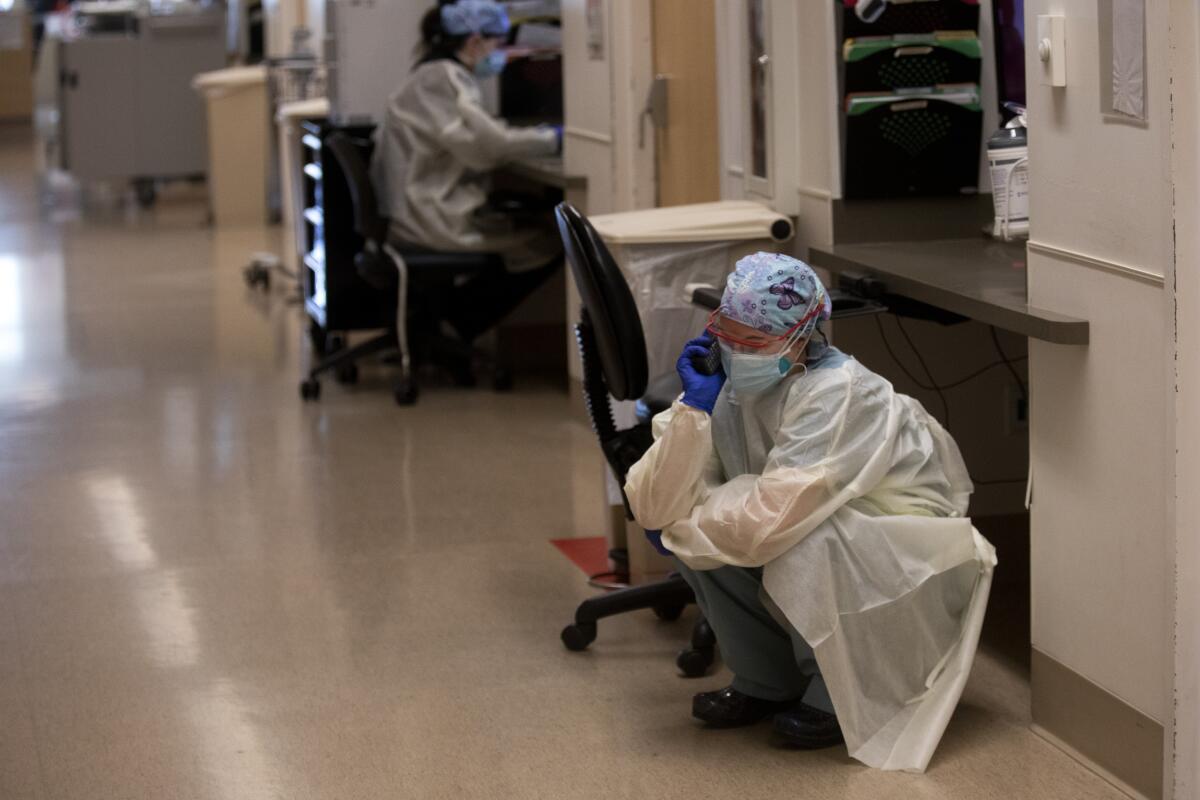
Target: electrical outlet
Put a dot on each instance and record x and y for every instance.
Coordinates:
(1016, 412)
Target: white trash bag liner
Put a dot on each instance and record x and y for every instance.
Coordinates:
(662, 250)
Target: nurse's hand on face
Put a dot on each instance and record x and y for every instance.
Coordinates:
(699, 390)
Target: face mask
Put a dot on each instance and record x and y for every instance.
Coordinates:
(753, 374)
(491, 64)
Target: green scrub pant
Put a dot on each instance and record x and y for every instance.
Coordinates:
(768, 657)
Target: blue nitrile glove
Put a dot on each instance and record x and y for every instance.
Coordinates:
(655, 538)
(558, 132)
(699, 391)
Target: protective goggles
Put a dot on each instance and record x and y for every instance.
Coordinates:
(761, 340)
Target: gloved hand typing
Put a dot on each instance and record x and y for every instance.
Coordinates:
(699, 390)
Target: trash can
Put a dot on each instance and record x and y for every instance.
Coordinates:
(663, 250)
(238, 144)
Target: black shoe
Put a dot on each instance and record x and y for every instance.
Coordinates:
(729, 708)
(808, 728)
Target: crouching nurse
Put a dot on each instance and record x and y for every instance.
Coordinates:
(819, 516)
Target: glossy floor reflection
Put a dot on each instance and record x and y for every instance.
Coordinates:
(209, 590)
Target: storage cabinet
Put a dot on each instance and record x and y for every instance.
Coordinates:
(127, 107)
(335, 297)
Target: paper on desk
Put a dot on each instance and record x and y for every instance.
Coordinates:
(539, 35)
(1129, 57)
(12, 31)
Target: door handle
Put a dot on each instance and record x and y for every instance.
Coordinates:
(655, 109)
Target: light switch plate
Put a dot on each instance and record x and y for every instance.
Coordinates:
(1052, 49)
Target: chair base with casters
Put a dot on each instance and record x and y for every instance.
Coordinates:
(343, 362)
(667, 598)
(418, 277)
(426, 278)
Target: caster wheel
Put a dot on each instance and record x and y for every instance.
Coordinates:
(577, 637)
(347, 374)
(405, 393)
(668, 613)
(333, 343)
(310, 389)
(502, 380)
(694, 663)
(257, 277)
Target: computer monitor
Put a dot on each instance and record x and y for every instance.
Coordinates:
(1008, 19)
(531, 90)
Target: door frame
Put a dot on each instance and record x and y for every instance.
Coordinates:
(1181, 768)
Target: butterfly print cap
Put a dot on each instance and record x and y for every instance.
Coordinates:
(772, 292)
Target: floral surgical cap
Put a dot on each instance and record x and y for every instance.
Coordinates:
(772, 293)
(475, 16)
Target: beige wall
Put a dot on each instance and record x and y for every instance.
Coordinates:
(730, 79)
(602, 104)
(1102, 217)
(281, 16)
(315, 19)
(819, 157)
(587, 107)
(16, 72)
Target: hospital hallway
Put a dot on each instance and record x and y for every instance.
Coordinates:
(212, 591)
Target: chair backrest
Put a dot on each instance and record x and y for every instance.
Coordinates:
(609, 304)
(367, 222)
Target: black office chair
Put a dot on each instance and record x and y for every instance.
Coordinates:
(612, 348)
(420, 278)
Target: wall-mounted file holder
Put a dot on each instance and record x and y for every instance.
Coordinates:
(916, 16)
(923, 143)
(911, 61)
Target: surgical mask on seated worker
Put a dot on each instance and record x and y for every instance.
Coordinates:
(491, 64)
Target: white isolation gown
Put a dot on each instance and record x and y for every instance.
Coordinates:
(433, 158)
(852, 497)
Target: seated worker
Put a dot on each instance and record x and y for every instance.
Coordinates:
(819, 517)
(434, 153)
